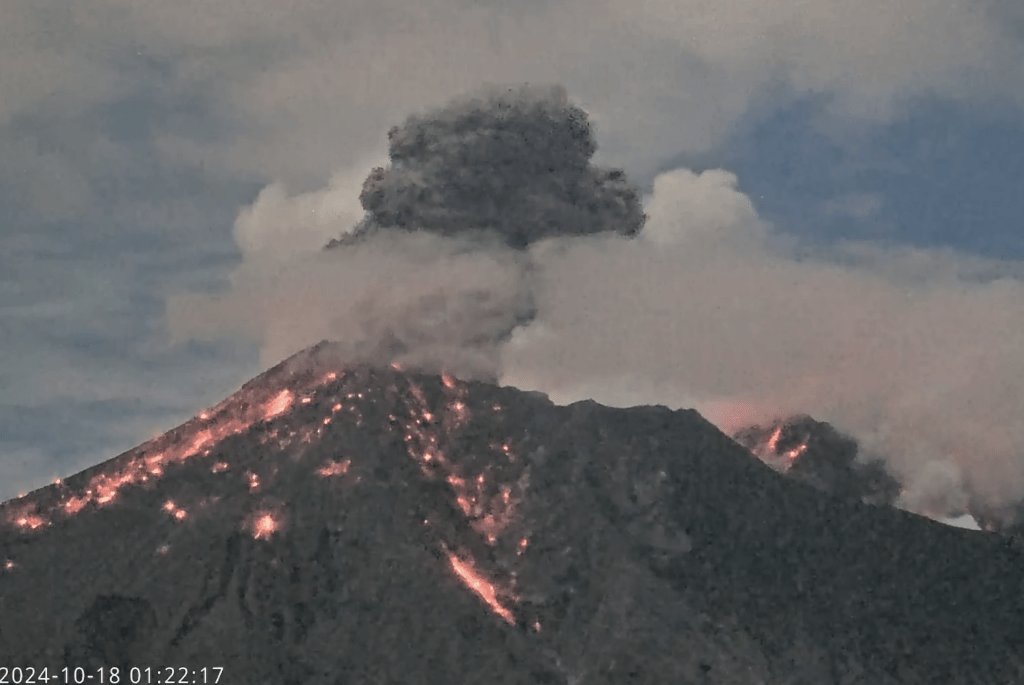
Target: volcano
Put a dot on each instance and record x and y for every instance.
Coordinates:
(352, 524)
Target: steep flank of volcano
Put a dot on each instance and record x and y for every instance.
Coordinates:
(358, 525)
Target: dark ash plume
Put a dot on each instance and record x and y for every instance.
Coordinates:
(514, 161)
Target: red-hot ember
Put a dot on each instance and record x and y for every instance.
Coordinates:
(264, 526)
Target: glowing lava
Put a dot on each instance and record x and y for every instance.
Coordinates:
(279, 405)
(233, 416)
(481, 485)
(480, 585)
(334, 468)
(264, 526)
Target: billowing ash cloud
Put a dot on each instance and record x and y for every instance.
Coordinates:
(515, 161)
(914, 353)
(433, 275)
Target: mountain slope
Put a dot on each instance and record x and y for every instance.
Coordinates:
(329, 525)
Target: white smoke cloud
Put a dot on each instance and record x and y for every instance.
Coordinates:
(278, 224)
(913, 352)
(414, 298)
(936, 489)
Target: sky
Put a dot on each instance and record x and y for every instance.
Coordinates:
(836, 222)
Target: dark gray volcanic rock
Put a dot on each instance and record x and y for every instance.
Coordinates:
(380, 526)
(814, 452)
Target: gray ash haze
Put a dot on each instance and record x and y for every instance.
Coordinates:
(914, 352)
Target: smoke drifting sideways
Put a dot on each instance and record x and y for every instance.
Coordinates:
(915, 353)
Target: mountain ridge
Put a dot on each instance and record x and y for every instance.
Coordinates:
(406, 527)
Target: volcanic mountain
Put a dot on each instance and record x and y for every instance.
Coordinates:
(351, 524)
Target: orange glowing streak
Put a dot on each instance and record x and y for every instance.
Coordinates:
(774, 440)
(201, 439)
(796, 452)
(278, 405)
(219, 466)
(478, 584)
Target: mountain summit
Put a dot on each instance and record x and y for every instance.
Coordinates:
(330, 524)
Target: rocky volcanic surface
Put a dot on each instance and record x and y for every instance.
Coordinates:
(815, 453)
(357, 525)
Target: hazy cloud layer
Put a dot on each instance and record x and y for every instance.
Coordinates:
(312, 81)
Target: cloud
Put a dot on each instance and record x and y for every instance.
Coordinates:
(514, 161)
(278, 223)
(418, 299)
(436, 277)
(305, 84)
(702, 209)
(938, 490)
